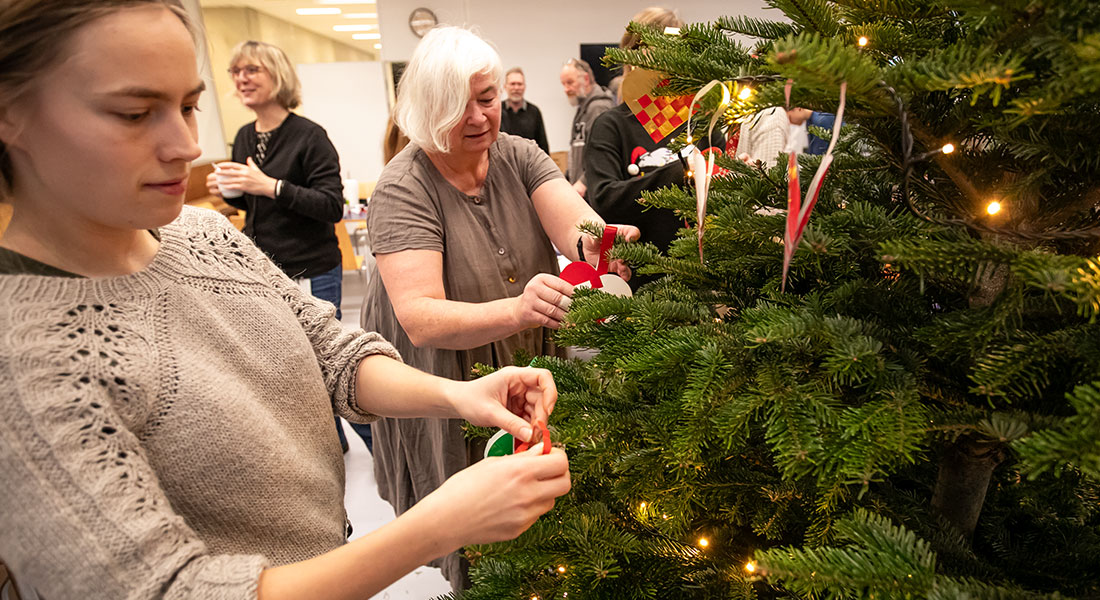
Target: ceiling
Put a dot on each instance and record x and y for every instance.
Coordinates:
(352, 13)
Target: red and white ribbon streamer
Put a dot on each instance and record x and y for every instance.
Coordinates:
(798, 214)
(703, 166)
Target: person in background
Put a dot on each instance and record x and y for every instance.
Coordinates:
(775, 129)
(461, 224)
(288, 170)
(518, 116)
(289, 174)
(393, 141)
(654, 16)
(591, 100)
(622, 160)
(822, 120)
(168, 390)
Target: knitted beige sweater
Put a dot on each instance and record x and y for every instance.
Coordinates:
(169, 433)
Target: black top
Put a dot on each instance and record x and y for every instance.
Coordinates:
(525, 122)
(14, 263)
(613, 192)
(296, 228)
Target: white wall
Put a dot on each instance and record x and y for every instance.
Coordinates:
(349, 100)
(209, 119)
(540, 36)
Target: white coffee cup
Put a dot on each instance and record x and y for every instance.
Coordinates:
(225, 192)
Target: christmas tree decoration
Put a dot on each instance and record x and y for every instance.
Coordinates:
(911, 411)
(702, 167)
(581, 274)
(660, 116)
(798, 213)
(503, 443)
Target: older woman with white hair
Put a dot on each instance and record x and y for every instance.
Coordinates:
(462, 223)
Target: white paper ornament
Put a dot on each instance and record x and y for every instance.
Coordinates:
(611, 284)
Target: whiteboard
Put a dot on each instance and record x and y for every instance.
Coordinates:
(349, 100)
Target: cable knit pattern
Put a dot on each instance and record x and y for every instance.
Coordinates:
(169, 433)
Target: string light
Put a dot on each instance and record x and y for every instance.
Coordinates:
(641, 506)
(750, 567)
(863, 41)
(948, 148)
(993, 207)
(745, 93)
(561, 568)
(703, 542)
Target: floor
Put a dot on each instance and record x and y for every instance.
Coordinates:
(366, 509)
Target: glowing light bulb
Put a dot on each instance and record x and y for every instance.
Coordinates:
(641, 506)
(703, 542)
(863, 41)
(745, 93)
(750, 567)
(561, 568)
(948, 148)
(993, 207)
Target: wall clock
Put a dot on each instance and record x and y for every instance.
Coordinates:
(421, 20)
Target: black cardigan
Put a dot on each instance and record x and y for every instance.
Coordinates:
(296, 228)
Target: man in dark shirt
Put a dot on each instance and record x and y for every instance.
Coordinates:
(518, 116)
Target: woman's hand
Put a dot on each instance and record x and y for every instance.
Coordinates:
(248, 178)
(212, 184)
(542, 300)
(511, 399)
(498, 498)
(592, 250)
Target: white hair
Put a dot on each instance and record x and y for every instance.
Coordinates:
(435, 86)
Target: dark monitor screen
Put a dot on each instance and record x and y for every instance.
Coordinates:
(593, 55)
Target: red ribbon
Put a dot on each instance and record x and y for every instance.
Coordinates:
(523, 446)
(578, 272)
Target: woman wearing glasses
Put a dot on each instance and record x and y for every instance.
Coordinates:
(288, 171)
(289, 174)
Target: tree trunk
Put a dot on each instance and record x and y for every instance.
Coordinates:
(964, 477)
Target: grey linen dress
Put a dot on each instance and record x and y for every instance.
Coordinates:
(492, 244)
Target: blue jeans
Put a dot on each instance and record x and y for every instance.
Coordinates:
(329, 287)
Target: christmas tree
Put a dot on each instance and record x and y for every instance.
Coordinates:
(915, 411)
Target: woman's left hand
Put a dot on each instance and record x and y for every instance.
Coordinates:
(248, 178)
(511, 399)
(592, 250)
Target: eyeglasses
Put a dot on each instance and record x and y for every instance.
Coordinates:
(250, 70)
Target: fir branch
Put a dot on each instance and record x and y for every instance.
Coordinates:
(818, 16)
(758, 28)
(1073, 442)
